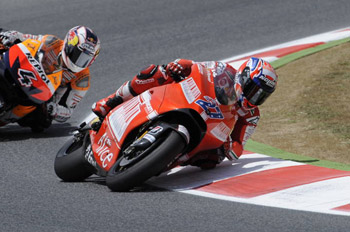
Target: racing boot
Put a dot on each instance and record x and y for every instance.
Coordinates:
(102, 107)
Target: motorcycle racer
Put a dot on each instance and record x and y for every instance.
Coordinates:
(246, 88)
(71, 58)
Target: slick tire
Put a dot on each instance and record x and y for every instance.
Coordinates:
(149, 166)
(70, 164)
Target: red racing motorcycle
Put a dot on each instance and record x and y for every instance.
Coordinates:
(152, 132)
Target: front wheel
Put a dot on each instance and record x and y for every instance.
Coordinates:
(70, 164)
(123, 178)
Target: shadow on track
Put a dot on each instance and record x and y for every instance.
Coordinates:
(102, 181)
(14, 132)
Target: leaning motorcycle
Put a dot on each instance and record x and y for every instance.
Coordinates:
(24, 85)
(151, 133)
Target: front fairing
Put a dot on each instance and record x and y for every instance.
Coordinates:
(28, 74)
(121, 121)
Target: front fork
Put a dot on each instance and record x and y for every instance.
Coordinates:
(154, 133)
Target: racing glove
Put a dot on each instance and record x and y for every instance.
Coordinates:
(179, 69)
(9, 38)
(58, 112)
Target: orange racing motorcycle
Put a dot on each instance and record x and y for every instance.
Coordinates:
(24, 86)
(151, 133)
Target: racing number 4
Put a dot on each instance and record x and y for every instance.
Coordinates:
(25, 77)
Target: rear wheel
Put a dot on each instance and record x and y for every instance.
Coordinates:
(127, 173)
(70, 164)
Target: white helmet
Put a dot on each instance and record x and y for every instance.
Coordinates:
(80, 49)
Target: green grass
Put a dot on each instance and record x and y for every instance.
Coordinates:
(314, 111)
(260, 148)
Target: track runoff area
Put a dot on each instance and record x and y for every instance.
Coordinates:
(264, 180)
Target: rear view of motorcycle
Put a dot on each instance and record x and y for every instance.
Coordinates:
(149, 134)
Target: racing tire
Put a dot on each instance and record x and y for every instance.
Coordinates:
(154, 163)
(70, 164)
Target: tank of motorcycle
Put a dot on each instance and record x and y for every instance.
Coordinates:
(28, 74)
(195, 92)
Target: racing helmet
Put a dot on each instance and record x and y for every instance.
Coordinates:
(80, 49)
(224, 79)
(255, 81)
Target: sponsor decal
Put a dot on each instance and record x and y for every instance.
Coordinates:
(190, 90)
(89, 156)
(73, 39)
(145, 98)
(103, 152)
(156, 130)
(37, 67)
(143, 82)
(221, 131)
(88, 47)
(122, 117)
(268, 81)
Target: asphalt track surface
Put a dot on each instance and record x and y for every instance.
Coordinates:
(135, 33)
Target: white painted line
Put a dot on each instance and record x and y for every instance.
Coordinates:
(323, 37)
(189, 177)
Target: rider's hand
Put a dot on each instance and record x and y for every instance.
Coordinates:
(51, 108)
(58, 112)
(227, 149)
(179, 69)
(9, 38)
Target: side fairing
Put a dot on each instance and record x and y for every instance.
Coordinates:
(121, 121)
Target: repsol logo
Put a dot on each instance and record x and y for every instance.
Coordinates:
(38, 68)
